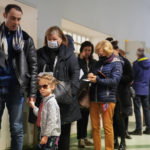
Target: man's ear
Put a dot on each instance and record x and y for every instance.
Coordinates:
(4, 15)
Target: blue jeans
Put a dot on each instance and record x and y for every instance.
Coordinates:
(138, 100)
(14, 100)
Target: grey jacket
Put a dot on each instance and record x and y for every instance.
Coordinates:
(50, 117)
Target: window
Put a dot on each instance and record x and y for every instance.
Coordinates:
(78, 39)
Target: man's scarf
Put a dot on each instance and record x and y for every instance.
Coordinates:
(17, 41)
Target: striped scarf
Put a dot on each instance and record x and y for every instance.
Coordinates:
(17, 41)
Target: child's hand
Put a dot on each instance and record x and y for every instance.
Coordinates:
(32, 104)
(44, 140)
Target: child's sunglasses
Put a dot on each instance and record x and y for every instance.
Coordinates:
(45, 86)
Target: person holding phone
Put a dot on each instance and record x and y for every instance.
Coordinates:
(104, 78)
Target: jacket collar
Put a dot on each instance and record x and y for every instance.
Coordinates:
(64, 52)
(48, 97)
(142, 59)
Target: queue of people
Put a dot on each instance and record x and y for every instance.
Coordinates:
(105, 81)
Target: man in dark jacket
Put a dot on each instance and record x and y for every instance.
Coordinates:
(141, 70)
(18, 71)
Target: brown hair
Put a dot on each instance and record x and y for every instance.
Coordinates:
(10, 6)
(122, 52)
(60, 33)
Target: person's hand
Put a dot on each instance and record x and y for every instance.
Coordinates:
(32, 104)
(31, 99)
(44, 140)
(93, 79)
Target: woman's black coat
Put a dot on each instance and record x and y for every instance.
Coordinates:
(66, 68)
(124, 87)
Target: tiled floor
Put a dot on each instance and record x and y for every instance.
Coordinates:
(136, 143)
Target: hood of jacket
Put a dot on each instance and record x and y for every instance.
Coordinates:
(64, 52)
(144, 62)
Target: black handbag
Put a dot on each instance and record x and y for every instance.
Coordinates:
(63, 92)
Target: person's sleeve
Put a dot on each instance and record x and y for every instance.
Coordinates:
(75, 72)
(35, 111)
(33, 68)
(115, 76)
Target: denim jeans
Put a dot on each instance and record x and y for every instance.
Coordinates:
(14, 100)
(138, 100)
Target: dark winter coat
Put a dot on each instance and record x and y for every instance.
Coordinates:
(105, 88)
(124, 87)
(25, 66)
(141, 70)
(83, 66)
(66, 68)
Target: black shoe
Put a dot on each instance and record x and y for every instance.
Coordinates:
(147, 131)
(128, 136)
(122, 146)
(116, 144)
(136, 132)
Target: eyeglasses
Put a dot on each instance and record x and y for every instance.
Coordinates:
(45, 86)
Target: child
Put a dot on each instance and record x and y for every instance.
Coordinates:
(48, 114)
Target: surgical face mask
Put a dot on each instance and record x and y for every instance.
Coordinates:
(52, 44)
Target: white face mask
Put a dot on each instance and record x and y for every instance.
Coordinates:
(52, 44)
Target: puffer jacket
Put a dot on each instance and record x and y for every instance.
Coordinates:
(104, 90)
(141, 72)
(25, 66)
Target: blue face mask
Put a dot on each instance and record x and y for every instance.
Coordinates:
(52, 44)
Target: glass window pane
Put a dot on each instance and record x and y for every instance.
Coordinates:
(74, 37)
(75, 46)
(79, 39)
(78, 47)
(83, 39)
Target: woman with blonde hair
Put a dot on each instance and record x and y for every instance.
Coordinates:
(104, 78)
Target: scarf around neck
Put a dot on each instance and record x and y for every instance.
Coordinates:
(17, 41)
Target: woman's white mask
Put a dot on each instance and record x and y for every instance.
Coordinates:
(52, 44)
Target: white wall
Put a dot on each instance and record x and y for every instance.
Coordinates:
(123, 19)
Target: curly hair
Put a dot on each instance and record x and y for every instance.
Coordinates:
(50, 79)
